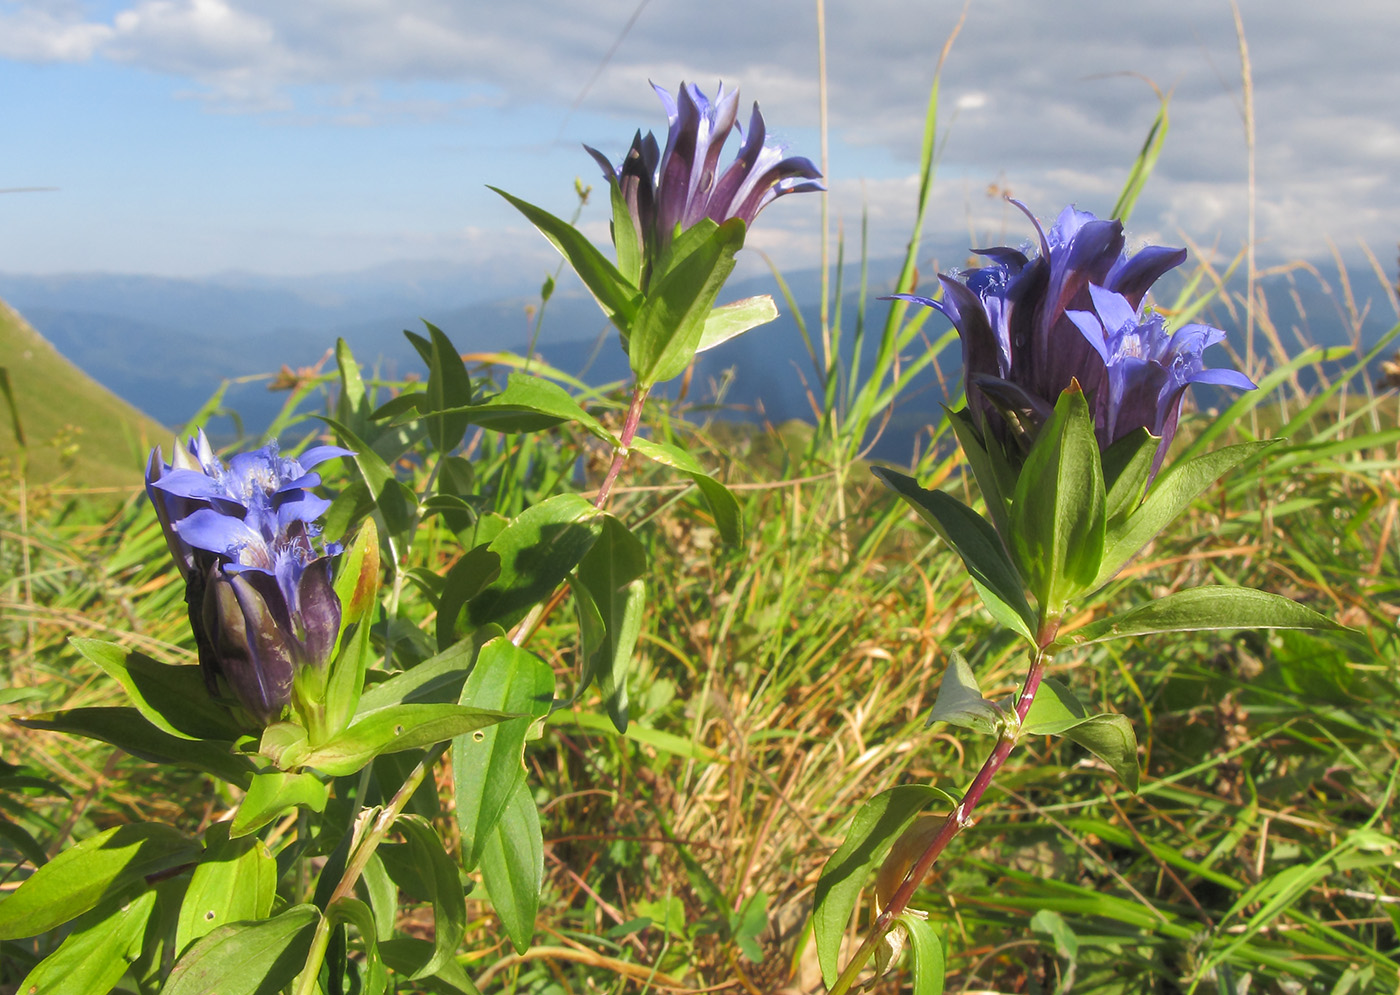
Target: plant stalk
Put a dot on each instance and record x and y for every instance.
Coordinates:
(957, 820)
(355, 866)
(624, 441)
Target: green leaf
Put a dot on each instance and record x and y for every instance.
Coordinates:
(625, 238)
(173, 698)
(512, 867)
(272, 794)
(734, 319)
(436, 681)
(449, 388)
(528, 404)
(22, 841)
(995, 474)
(537, 551)
(729, 520)
(612, 576)
(235, 879)
(1201, 608)
(467, 578)
(101, 948)
(1168, 497)
(393, 730)
(405, 956)
(1126, 465)
(357, 913)
(671, 320)
(439, 873)
(128, 729)
(748, 924)
(395, 500)
(1053, 925)
(618, 298)
(925, 954)
(977, 543)
(488, 766)
(357, 588)
(247, 958)
(352, 403)
(1057, 712)
(960, 702)
(1057, 513)
(93, 870)
(878, 823)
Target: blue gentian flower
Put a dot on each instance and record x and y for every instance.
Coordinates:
(259, 590)
(669, 190)
(1030, 325)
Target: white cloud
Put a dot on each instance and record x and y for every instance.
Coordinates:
(48, 33)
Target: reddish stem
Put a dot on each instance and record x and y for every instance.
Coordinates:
(956, 821)
(624, 442)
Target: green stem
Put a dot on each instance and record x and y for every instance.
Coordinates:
(957, 820)
(355, 866)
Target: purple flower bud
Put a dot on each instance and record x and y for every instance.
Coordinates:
(1074, 312)
(259, 590)
(677, 187)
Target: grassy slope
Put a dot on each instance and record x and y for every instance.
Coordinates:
(61, 407)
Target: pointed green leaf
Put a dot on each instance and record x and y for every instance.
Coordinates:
(273, 794)
(1126, 465)
(1110, 738)
(977, 543)
(537, 551)
(128, 729)
(1055, 709)
(528, 404)
(436, 681)
(615, 295)
(466, 579)
(235, 879)
(449, 387)
(394, 499)
(724, 506)
(353, 401)
(1168, 497)
(878, 823)
(1201, 608)
(102, 947)
(439, 874)
(671, 320)
(259, 957)
(612, 575)
(173, 698)
(1057, 513)
(489, 765)
(1057, 712)
(624, 235)
(98, 868)
(960, 702)
(352, 911)
(996, 477)
(925, 954)
(512, 867)
(734, 319)
(393, 730)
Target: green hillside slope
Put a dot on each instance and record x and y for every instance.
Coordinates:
(76, 430)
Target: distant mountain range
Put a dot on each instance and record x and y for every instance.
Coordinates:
(165, 344)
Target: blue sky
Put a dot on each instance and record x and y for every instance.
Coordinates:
(192, 137)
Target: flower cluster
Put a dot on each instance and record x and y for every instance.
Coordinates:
(244, 537)
(669, 190)
(1031, 325)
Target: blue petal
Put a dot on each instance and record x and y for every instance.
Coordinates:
(319, 454)
(222, 534)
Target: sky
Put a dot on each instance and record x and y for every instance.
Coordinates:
(198, 137)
